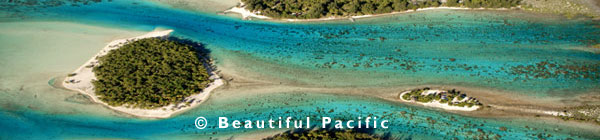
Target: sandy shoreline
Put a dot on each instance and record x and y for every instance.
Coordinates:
(437, 104)
(247, 15)
(82, 82)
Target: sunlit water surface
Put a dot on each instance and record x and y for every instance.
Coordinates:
(533, 55)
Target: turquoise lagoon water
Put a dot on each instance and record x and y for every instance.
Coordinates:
(503, 50)
(437, 47)
(416, 123)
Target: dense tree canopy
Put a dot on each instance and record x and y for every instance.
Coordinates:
(150, 73)
(306, 9)
(332, 134)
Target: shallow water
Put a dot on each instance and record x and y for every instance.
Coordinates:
(35, 52)
(206, 6)
(415, 123)
(445, 47)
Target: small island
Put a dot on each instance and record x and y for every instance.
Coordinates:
(336, 134)
(584, 113)
(324, 10)
(147, 76)
(448, 100)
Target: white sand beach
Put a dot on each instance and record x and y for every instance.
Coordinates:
(82, 82)
(248, 14)
(437, 104)
(533, 110)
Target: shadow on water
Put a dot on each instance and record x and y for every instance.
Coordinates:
(198, 47)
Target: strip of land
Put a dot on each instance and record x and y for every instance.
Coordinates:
(440, 99)
(267, 10)
(81, 80)
(332, 10)
(248, 15)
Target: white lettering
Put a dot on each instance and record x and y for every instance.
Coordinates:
(223, 122)
(271, 123)
(339, 124)
(383, 123)
(349, 125)
(236, 124)
(326, 120)
(248, 124)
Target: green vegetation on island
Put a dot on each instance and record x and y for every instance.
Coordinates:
(586, 113)
(296, 9)
(323, 134)
(150, 73)
(450, 97)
